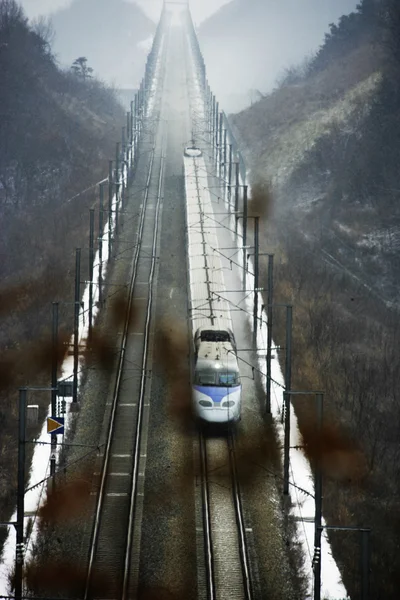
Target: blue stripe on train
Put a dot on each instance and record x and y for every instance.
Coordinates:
(217, 394)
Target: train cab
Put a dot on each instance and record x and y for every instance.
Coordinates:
(216, 377)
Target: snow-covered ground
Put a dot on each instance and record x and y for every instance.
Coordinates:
(40, 469)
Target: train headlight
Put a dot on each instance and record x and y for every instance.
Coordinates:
(205, 403)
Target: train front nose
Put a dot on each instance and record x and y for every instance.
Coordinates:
(218, 405)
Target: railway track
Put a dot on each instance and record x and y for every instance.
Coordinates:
(112, 548)
(226, 555)
(225, 573)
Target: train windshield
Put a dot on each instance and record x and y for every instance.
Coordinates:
(217, 378)
(205, 378)
(229, 379)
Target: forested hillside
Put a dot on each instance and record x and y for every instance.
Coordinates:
(247, 43)
(328, 141)
(57, 132)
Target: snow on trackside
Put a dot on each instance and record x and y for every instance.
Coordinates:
(156, 77)
(40, 468)
(36, 492)
(300, 473)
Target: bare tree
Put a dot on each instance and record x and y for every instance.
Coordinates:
(43, 27)
(10, 14)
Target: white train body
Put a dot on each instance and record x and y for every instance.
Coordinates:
(216, 377)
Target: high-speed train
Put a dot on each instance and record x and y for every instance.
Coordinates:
(216, 377)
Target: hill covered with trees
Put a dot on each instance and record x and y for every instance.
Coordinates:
(328, 141)
(247, 43)
(57, 132)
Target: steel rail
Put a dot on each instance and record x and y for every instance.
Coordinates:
(207, 523)
(237, 500)
(208, 548)
(110, 432)
(143, 377)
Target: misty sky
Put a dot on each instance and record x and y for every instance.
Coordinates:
(201, 9)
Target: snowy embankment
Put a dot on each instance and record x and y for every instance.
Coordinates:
(36, 492)
(301, 482)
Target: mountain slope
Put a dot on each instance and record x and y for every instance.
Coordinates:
(330, 146)
(108, 34)
(253, 40)
(57, 134)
